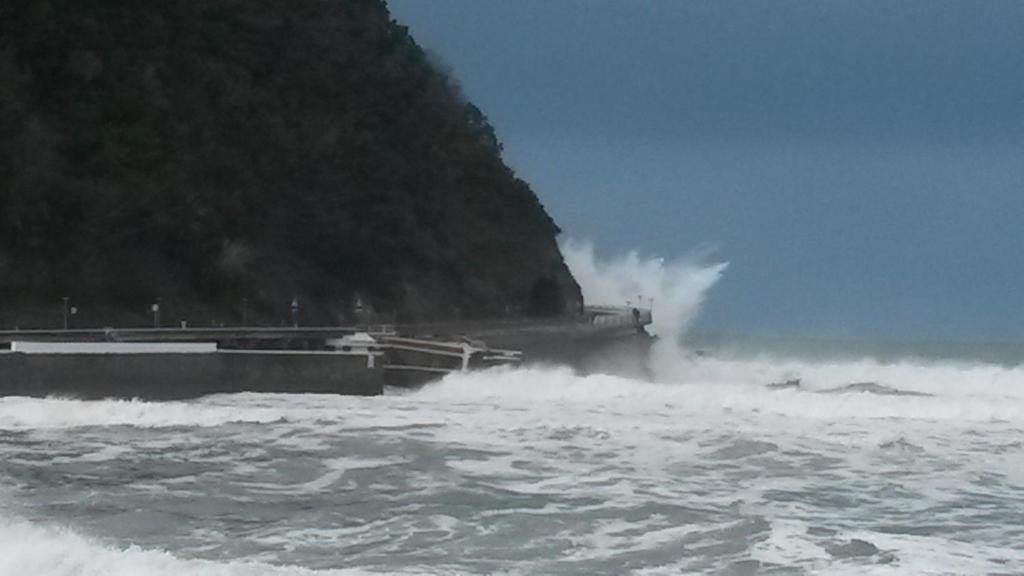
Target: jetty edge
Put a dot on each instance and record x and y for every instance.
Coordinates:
(183, 363)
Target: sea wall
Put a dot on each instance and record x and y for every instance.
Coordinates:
(181, 376)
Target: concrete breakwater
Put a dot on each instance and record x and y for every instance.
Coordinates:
(187, 363)
(168, 376)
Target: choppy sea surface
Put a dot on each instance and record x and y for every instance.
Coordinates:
(722, 466)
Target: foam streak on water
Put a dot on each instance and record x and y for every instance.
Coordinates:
(532, 472)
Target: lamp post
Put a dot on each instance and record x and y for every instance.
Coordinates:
(359, 310)
(155, 308)
(295, 312)
(65, 309)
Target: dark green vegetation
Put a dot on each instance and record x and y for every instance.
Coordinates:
(206, 151)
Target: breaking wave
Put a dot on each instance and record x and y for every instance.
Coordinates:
(703, 386)
(911, 388)
(903, 377)
(19, 413)
(674, 288)
(30, 550)
(856, 400)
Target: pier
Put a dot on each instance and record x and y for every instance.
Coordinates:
(177, 363)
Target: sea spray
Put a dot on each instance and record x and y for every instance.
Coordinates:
(675, 289)
(678, 288)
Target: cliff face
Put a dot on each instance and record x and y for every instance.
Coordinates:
(206, 151)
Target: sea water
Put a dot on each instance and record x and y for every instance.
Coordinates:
(861, 467)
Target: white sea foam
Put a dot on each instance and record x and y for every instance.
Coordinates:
(564, 468)
(29, 550)
(539, 387)
(18, 413)
(337, 467)
(790, 544)
(699, 386)
(945, 378)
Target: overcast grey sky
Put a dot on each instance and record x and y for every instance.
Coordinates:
(859, 163)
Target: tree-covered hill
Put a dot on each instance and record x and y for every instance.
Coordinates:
(206, 151)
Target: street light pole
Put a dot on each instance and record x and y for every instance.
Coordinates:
(295, 312)
(66, 300)
(156, 312)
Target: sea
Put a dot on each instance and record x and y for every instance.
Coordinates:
(719, 462)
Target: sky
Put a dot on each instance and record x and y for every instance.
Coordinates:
(859, 163)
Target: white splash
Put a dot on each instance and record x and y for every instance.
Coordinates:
(676, 288)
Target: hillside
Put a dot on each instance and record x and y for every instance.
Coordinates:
(209, 151)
